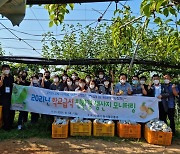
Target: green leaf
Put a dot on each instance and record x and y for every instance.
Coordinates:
(172, 11)
(168, 20)
(166, 12)
(159, 4)
(158, 20)
(51, 23)
(71, 6)
(147, 10)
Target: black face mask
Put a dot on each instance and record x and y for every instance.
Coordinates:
(23, 77)
(47, 77)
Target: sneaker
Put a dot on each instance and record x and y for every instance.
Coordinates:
(19, 127)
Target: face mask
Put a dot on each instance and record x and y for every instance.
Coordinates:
(77, 83)
(56, 80)
(47, 77)
(40, 78)
(81, 85)
(156, 81)
(101, 76)
(134, 82)
(166, 81)
(123, 81)
(6, 71)
(64, 78)
(69, 83)
(88, 79)
(142, 82)
(73, 77)
(92, 86)
(35, 81)
(106, 83)
(23, 77)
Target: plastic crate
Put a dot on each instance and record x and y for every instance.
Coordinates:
(129, 130)
(0, 112)
(157, 137)
(1, 120)
(60, 131)
(100, 129)
(80, 129)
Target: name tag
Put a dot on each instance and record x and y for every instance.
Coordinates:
(7, 89)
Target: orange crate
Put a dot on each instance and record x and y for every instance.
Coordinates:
(80, 129)
(1, 120)
(1, 123)
(157, 137)
(100, 129)
(129, 130)
(60, 131)
(0, 112)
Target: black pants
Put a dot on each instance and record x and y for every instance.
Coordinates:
(8, 115)
(170, 114)
(162, 113)
(34, 117)
(23, 116)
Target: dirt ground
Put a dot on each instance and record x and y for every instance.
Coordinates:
(74, 145)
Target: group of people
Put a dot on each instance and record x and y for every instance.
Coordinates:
(101, 84)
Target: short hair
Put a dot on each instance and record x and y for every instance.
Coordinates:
(56, 76)
(143, 77)
(88, 76)
(155, 75)
(35, 76)
(136, 76)
(70, 79)
(5, 66)
(47, 72)
(82, 80)
(168, 75)
(25, 73)
(75, 73)
(123, 74)
(101, 71)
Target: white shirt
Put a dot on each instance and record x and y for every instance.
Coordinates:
(157, 90)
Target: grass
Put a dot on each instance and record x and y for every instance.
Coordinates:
(43, 130)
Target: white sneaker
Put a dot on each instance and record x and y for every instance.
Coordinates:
(19, 127)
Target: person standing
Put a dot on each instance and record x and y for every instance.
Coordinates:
(138, 89)
(35, 83)
(172, 91)
(6, 85)
(123, 87)
(23, 115)
(46, 80)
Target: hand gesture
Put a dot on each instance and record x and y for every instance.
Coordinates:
(142, 86)
(159, 97)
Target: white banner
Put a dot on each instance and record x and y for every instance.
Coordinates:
(84, 105)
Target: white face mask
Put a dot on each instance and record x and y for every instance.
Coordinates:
(73, 77)
(88, 80)
(64, 78)
(69, 83)
(40, 78)
(77, 83)
(35, 81)
(101, 76)
(166, 81)
(6, 71)
(142, 82)
(156, 81)
(56, 80)
(106, 83)
(81, 85)
(92, 86)
(123, 81)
